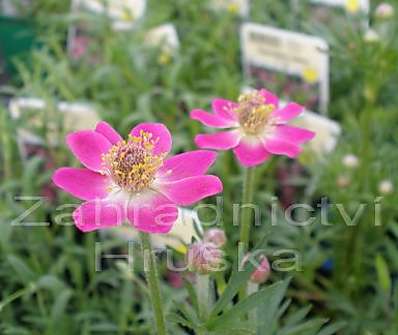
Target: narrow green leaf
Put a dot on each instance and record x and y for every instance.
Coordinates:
(270, 294)
(383, 274)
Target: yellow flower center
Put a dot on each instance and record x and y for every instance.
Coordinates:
(253, 113)
(131, 164)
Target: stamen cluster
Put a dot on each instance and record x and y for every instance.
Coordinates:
(131, 163)
(253, 112)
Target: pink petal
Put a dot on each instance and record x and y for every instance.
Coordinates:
(187, 164)
(222, 140)
(152, 213)
(106, 129)
(251, 153)
(290, 111)
(81, 183)
(279, 146)
(190, 190)
(88, 146)
(98, 214)
(270, 98)
(212, 120)
(160, 135)
(294, 134)
(225, 108)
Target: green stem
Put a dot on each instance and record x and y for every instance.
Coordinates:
(6, 144)
(253, 288)
(203, 290)
(246, 211)
(245, 216)
(152, 278)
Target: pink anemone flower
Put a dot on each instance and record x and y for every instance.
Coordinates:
(256, 127)
(132, 180)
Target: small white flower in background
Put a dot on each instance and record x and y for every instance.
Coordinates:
(343, 181)
(350, 161)
(386, 187)
(384, 11)
(371, 36)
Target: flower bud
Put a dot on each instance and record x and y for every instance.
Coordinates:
(350, 161)
(386, 187)
(263, 271)
(384, 11)
(204, 257)
(215, 236)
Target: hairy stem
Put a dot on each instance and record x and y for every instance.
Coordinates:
(152, 278)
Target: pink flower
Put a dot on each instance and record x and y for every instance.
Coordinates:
(257, 127)
(79, 46)
(132, 180)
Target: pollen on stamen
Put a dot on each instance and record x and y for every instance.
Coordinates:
(254, 113)
(131, 163)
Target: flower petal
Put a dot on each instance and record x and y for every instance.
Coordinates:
(106, 129)
(251, 153)
(270, 98)
(187, 164)
(98, 214)
(152, 213)
(294, 134)
(81, 183)
(190, 190)
(212, 120)
(278, 146)
(160, 135)
(88, 146)
(290, 111)
(225, 109)
(222, 140)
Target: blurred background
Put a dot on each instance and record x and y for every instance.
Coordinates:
(66, 65)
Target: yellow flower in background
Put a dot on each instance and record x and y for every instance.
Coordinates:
(233, 8)
(352, 6)
(310, 75)
(127, 15)
(164, 58)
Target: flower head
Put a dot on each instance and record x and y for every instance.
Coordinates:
(351, 161)
(371, 36)
(352, 6)
(204, 257)
(215, 236)
(384, 11)
(133, 180)
(386, 187)
(257, 127)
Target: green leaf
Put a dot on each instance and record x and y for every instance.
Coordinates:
(311, 327)
(270, 294)
(333, 328)
(268, 319)
(383, 274)
(23, 271)
(298, 316)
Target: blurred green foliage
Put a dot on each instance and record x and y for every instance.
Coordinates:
(47, 274)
